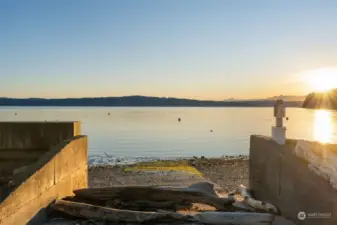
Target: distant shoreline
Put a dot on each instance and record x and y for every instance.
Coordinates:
(131, 106)
(137, 101)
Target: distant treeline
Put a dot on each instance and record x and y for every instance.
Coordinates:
(137, 101)
(317, 100)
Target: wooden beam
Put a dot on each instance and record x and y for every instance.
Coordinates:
(234, 218)
(88, 211)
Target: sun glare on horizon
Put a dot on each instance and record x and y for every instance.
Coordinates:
(321, 80)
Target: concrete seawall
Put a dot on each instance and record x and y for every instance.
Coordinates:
(278, 176)
(58, 167)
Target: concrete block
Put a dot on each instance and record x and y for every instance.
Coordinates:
(81, 180)
(36, 135)
(35, 211)
(278, 176)
(66, 161)
(279, 134)
(72, 157)
(35, 185)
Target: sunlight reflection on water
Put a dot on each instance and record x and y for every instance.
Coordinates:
(323, 128)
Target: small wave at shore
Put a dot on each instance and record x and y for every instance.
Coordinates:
(106, 159)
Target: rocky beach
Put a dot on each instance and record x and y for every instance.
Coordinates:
(227, 172)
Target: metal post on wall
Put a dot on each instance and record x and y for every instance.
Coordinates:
(279, 131)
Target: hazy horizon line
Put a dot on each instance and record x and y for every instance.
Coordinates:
(148, 96)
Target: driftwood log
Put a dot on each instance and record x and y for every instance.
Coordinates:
(242, 206)
(203, 193)
(234, 218)
(258, 205)
(87, 211)
(148, 205)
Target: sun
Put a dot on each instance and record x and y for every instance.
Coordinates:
(321, 80)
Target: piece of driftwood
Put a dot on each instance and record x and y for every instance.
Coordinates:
(234, 218)
(87, 211)
(148, 205)
(198, 193)
(142, 205)
(242, 206)
(250, 201)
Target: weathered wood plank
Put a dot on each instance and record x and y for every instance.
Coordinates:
(201, 193)
(234, 218)
(88, 211)
(250, 201)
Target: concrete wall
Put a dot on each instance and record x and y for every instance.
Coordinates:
(281, 178)
(63, 170)
(21, 143)
(36, 135)
(55, 174)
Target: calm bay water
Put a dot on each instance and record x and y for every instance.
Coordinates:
(133, 134)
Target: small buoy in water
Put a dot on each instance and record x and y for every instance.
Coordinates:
(16, 114)
(109, 114)
(211, 130)
(179, 119)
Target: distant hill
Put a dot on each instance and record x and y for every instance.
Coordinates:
(318, 100)
(137, 101)
(286, 98)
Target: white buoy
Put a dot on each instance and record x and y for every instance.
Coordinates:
(279, 131)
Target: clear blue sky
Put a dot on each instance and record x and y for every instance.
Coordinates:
(181, 48)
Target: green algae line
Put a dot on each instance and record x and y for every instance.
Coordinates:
(164, 166)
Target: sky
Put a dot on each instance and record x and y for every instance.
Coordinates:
(214, 49)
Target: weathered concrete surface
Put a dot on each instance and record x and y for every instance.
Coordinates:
(21, 143)
(61, 168)
(281, 178)
(36, 135)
